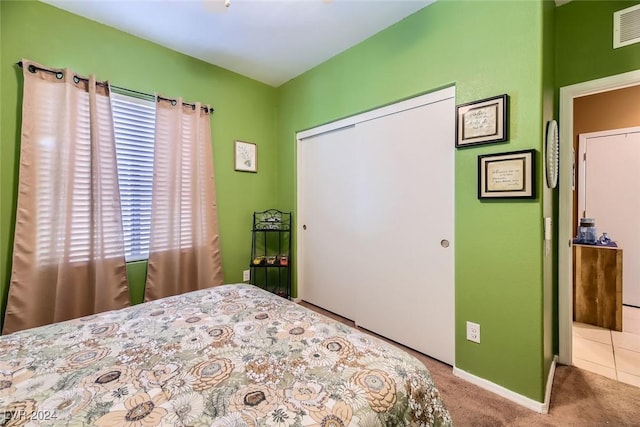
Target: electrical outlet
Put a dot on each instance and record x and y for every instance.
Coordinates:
(246, 275)
(473, 332)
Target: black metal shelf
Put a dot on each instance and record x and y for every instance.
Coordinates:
(271, 239)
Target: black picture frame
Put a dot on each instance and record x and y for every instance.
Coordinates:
(510, 175)
(485, 121)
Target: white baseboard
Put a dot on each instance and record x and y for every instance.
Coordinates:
(296, 300)
(525, 401)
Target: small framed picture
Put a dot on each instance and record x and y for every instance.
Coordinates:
(482, 122)
(246, 156)
(507, 175)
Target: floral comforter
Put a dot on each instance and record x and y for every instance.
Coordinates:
(232, 355)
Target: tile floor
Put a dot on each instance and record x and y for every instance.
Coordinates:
(610, 353)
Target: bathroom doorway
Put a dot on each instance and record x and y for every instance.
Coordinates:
(608, 180)
(590, 107)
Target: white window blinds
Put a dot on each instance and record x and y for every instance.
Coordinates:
(134, 126)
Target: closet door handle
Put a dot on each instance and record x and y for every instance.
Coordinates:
(304, 227)
(444, 243)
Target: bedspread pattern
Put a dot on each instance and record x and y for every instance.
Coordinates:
(232, 355)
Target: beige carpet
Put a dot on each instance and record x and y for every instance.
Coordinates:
(578, 398)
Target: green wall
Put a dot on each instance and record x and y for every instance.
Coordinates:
(504, 281)
(485, 48)
(549, 196)
(244, 110)
(584, 42)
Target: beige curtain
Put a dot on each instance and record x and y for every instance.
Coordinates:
(68, 256)
(184, 252)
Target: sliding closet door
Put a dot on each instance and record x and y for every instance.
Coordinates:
(376, 194)
(326, 221)
(406, 284)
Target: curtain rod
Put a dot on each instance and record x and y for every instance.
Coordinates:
(59, 75)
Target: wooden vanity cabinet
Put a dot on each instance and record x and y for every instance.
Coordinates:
(597, 281)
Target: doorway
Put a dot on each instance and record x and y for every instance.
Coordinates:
(570, 99)
(607, 189)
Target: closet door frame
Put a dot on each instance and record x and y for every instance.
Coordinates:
(407, 104)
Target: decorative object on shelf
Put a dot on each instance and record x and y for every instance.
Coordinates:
(507, 175)
(271, 251)
(482, 122)
(604, 240)
(246, 156)
(587, 233)
(271, 224)
(552, 154)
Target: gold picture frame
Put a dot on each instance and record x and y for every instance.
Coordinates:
(246, 156)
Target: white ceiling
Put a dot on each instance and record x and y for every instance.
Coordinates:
(271, 41)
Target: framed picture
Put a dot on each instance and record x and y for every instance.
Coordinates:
(482, 122)
(507, 175)
(246, 156)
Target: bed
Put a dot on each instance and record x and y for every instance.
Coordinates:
(233, 355)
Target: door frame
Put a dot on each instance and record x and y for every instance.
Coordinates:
(565, 211)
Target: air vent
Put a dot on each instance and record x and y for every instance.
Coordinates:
(626, 26)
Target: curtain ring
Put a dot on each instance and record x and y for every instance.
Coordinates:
(193, 107)
(173, 102)
(59, 75)
(31, 68)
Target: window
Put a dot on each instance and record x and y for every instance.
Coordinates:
(134, 126)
